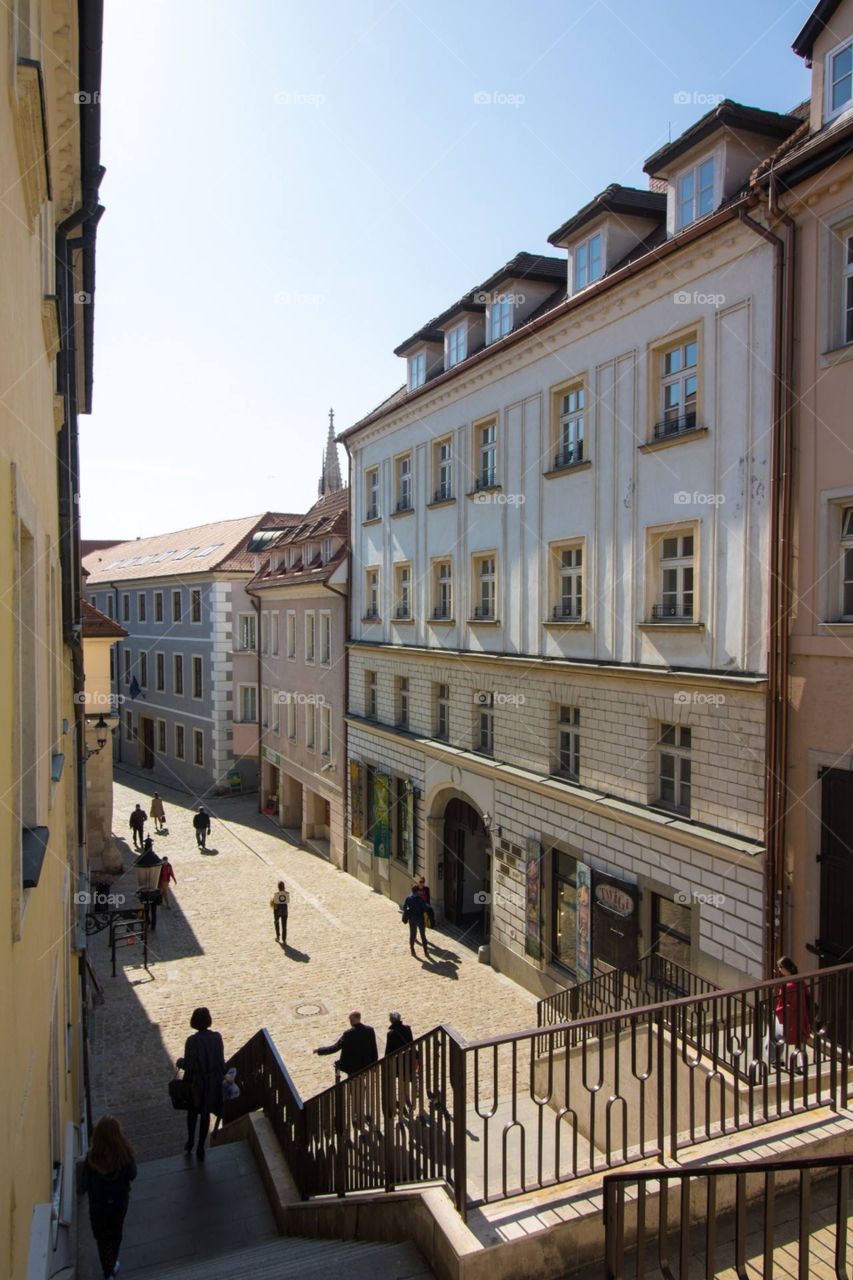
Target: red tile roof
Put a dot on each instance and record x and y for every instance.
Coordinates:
(97, 625)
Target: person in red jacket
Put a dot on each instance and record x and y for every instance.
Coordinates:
(793, 1016)
(167, 873)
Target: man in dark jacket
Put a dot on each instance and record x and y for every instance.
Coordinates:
(399, 1034)
(201, 822)
(357, 1047)
(137, 823)
(415, 910)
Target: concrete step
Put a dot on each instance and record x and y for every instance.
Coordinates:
(307, 1259)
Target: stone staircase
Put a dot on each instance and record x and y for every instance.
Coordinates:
(307, 1259)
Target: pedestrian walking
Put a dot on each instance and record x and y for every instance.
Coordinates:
(357, 1047)
(167, 874)
(398, 1035)
(414, 914)
(203, 1064)
(422, 888)
(158, 813)
(279, 903)
(793, 1023)
(105, 1175)
(137, 823)
(201, 822)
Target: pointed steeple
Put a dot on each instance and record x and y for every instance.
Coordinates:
(330, 480)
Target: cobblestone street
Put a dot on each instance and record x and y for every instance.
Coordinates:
(346, 949)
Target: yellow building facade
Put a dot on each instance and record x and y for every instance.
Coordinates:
(49, 161)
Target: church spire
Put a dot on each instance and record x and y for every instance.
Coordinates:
(330, 480)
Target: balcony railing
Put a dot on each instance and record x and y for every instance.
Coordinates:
(405, 504)
(484, 612)
(371, 614)
(485, 480)
(441, 613)
(568, 456)
(567, 612)
(402, 611)
(372, 513)
(442, 494)
(682, 611)
(675, 426)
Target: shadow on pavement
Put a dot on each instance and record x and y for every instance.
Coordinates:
(292, 954)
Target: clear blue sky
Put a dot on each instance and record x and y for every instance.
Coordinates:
(294, 186)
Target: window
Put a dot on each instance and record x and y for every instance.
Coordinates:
(674, 742)
(402, 700)
(127, 660)
(179, 742)
(487, 456)
(671, 930)
(404, 821)
(310, 635)
(371, 482)
(443, 590)
(695, 193)
(265, 706)
(847, 565)
(111, 613)
(198, 686)
(141, 610)
(443, 469)
(275, 619)
(498, 319)
(276, 711)
(290, 629)
(161, 736)
(371, 594)
(326, 639)
(569, 743)
(158, 606)
(588, 263)
(195, 604)
(847, 290)
(675, 561)
(441, 699)
(125, 607)
(265, 632)
(325, 730)
(160, 672)
(143, 669)
(571, 427)
(198, 747)
(417, 370)
(564, 912)
(128, 725)
(455, 345)
(485, 741)
(178, 674)
(247, 631)
(248, 703)
(328, 549)
(568, 562)
(679, 383)
(404, 483)
(311, 726)
(177, 607)
(371, 704)
(839, 79)
(403, 591)
(291, 718)
(485, 586)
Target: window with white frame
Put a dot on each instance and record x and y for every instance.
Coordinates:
(568, 567)
(498, 319)
(455, 345)
(847, 565)
(401, 690)
(178, 674)
(443, 470)
(161, 736)
(569, 742)
(371, 493)
(485, 738)
(198, 677)
(128, 725)
(487, 455)
(247, 631)
(371, 697)
(265, 706)
(265, 632)
(441, 711)
(404, 482)
(485, 586)
(177, 605)
(417, 370)
(311, 726)
(158, 606)
(179, 742)
(247, 703)
(838, 75)
(276, 711)
(125, 607)
(847, 288)
(371, 594)
(403, 591)
(442, 607)
(141, 607)
(679, 385)
(275, 619)
(195, 604)
(160, 672)
(143, 669)
(310, 635)
(325, 730)
(674, 744)
(325, 638)
(127, 662)
(676, 565)
(290, 718)
(328, 549)
(290, 629)
(571, 427)
(588, 262)
(198, 747)
(695, 193)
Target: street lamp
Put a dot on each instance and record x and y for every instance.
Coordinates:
(103, 731)
(147, 868)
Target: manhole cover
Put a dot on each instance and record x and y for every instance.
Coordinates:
(309, 1009)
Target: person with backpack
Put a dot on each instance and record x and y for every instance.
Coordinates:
(137, 823)
(279, 903)
(201, 823)
(105, 1175)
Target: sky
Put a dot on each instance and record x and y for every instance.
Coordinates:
(293, 187)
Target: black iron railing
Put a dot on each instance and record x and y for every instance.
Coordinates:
(405, 504)
(653, 980)
(682, 612)
(567, 611)
(402, 611)
(570, 456)
(441, 612)
(675, 426)
(443, 494)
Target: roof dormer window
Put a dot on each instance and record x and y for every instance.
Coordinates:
(839, 79)
(417, 370)
(498, 319)
(588, 262)
(455, 345)
(695, 193)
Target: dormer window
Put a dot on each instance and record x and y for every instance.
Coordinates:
(455, 345)
(695, 193)
(839, 80)
(328, 550)
(498, 319)
(417, 370)
(588, 262)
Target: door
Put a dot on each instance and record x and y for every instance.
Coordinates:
(454, 871)
(147, 742)
(615, 921)
(835, 944)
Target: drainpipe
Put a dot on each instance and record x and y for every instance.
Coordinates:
(256, 604)
(780, 593)
(347, 638)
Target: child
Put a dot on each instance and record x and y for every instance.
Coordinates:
(230, 1088)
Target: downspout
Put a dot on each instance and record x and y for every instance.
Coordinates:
(775, 782)
(256, 603)
(347, 638)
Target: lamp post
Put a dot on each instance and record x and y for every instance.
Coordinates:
(147, 868)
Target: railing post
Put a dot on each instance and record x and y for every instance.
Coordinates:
(339, 1105)
(459, 1085)
(661, 1089)
(389, 1086)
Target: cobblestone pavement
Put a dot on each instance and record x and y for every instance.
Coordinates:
(347, 949)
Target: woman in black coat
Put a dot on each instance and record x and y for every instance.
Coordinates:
(105, 1176)
(204, 1067)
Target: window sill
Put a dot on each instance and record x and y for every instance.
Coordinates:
(405, 511)
(840, 628)
(371, 618)
(371, 520)
(484, 622)
(568, 469)
(670, 626)
(679, 437)
(403, 622)
(487, 488)
(669, 809)
(569, 778)
(567, 624)
(441, 502)
(837, 355)
(442, 622)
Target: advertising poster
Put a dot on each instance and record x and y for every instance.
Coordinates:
(409, 825)
(584, 922)
(356, 798)
(533, 911)
(381, 815)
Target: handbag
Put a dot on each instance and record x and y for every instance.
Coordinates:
(405, 917)
(180, 1093)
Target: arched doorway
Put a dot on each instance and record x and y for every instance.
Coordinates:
(467, 869)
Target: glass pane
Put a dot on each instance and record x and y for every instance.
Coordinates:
(848, 327)
(690, 355)
(687, 544)
(842, 69)
(672, 397)
(667, 790)
(672, 361)
(667, 736)
(669, 549)
(564, 942)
